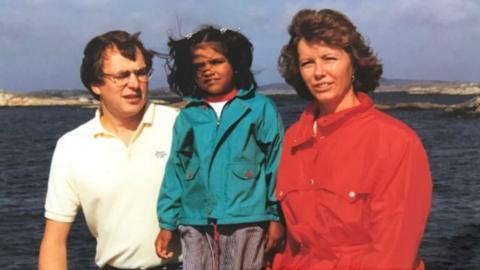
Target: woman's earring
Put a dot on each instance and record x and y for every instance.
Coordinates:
(353, 77)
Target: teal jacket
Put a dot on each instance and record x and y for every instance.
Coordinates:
(222, 170)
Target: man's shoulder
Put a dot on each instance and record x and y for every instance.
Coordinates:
(80, 133)
(172, 108)
(165, 114)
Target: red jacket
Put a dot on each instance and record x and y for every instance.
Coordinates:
(355, 194)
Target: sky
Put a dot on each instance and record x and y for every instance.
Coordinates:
(42, 41)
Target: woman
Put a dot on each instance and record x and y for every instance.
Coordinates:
(354, 183)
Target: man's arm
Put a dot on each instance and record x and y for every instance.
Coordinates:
(53, 248)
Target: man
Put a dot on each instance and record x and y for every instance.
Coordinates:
(111, 166)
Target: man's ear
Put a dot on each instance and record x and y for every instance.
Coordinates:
(96, 90)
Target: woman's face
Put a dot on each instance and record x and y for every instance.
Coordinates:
(214, 74)
(327, 72)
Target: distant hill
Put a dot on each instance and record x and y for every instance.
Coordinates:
(77, 96)
(398, 85)
(68, 93)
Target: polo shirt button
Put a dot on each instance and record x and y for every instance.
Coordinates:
(352, 194)
(322, 137)
(311, 181)
(281, 193)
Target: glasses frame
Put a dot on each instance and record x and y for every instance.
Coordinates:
(119, 80)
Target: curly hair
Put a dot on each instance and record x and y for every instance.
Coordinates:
(335, 29)
(91, 70)
(234, 45)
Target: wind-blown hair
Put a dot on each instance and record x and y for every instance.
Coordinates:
(334, 29)
(91, 71)
(234, 45)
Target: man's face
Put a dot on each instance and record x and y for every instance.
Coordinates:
(123, 94)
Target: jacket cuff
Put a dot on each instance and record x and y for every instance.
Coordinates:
(168, 226)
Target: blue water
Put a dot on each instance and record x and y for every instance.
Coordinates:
(28, 136)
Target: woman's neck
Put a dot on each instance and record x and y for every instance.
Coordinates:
(349, 100)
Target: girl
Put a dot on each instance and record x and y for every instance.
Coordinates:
(218, 188)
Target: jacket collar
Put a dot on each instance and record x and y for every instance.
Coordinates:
(241, 93)
(328, 123)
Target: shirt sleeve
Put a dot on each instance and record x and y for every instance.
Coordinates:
(169, 199)
(399, 214)
(271, 136)
(62, 202)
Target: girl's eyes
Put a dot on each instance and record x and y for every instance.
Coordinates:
(217, 61)
(212, 62)
(198, 65)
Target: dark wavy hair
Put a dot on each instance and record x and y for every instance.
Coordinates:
(234, 45)
(335, 29)
(91, 71)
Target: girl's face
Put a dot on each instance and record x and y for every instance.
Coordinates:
(214, 74)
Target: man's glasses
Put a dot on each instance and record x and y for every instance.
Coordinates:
(121, 78)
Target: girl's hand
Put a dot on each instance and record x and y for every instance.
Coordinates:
(275, 242)
(161, 244)
(275, 236)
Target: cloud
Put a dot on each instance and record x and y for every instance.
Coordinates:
(441, 12)
(45, 38)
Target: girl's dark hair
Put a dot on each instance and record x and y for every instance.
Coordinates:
(234, 45)
(332, 28)
(91, 71)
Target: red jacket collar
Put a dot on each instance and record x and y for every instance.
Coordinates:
(225, 97)
(330, 122)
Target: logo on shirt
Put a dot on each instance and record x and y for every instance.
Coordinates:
(160, 154)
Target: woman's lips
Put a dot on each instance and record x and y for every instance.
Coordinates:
(321, 87)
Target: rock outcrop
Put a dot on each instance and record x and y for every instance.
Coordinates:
(412, 106)
(11, 99)
(426, 87)
(471, 106)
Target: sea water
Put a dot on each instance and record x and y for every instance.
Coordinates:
(28, 136)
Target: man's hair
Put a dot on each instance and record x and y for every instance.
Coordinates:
(234, 45)
(91, 71)
(334, 29)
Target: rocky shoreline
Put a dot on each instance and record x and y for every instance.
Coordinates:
(470, 107)
(429, 87)
(9, 99)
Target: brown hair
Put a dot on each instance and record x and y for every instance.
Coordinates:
(332, 28)
(93, 55)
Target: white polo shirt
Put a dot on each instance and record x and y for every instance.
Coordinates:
(116, 186)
